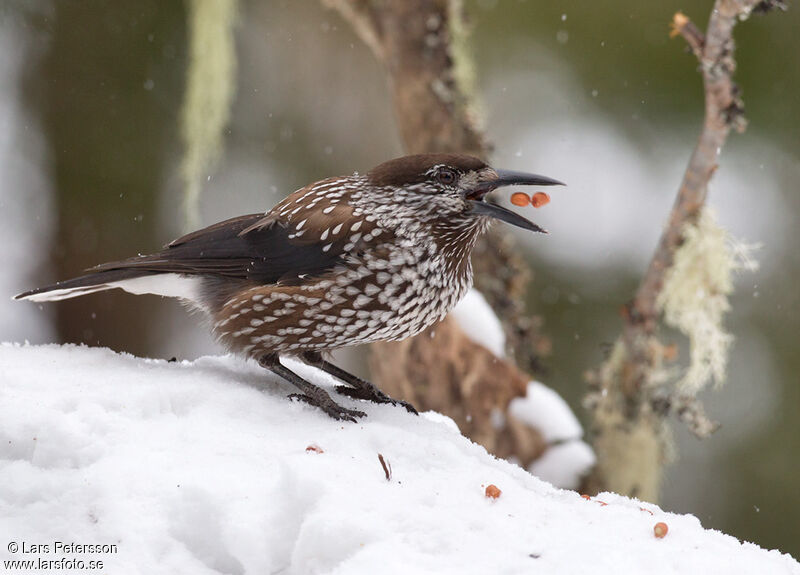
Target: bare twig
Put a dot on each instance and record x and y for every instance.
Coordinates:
(361, 16)
(689, 410)
(769, 5)
(681, 25)
(628, 416)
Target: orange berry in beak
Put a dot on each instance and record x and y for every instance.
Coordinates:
(540, 199)
(520, 199)
(537, 200)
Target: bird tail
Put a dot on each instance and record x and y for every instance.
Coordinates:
(136, 281)
(183, 270)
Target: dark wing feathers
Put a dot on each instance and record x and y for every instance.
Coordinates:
(220, 230)
(262, 253)
(258, 248)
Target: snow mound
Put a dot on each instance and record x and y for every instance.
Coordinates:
(543, 409)
(476, 318)
(564, 464)
(567, 458)
(203, 467)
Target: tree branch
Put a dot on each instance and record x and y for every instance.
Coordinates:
(413, 39)
(626, 410)
(723, 110)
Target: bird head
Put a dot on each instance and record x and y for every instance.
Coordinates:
(449, 188)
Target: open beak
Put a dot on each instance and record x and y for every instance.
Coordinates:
(475, 197)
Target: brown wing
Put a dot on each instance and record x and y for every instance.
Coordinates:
(294, 240)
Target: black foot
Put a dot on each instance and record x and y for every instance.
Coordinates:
(311, 394)
(330, 407)
(374, 395)
(356, 387)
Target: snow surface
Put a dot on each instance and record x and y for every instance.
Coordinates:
(202, 467)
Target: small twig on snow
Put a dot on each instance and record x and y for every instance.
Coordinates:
(387, 467)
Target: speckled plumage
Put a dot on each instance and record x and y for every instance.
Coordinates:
(344, 261)
(392, 281)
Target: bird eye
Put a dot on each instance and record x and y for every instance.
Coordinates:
(446, 176)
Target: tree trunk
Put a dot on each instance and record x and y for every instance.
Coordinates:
(422, 45)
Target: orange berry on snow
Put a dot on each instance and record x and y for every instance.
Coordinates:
(493, 491)
(660, 529)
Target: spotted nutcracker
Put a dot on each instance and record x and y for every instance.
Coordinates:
(344, 261)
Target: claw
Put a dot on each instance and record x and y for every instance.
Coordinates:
(333, 409)
(410, 408)
(356, 387)
(375, 395)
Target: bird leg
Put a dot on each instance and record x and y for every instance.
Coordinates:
(310, 393)
(360, 389)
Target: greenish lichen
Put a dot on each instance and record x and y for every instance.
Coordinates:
(464, 74)
(210, 86)
(694, 299)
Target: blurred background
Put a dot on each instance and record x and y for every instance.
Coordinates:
(595, 94)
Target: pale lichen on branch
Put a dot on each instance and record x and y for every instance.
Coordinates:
(694, 298)
(724, 110)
